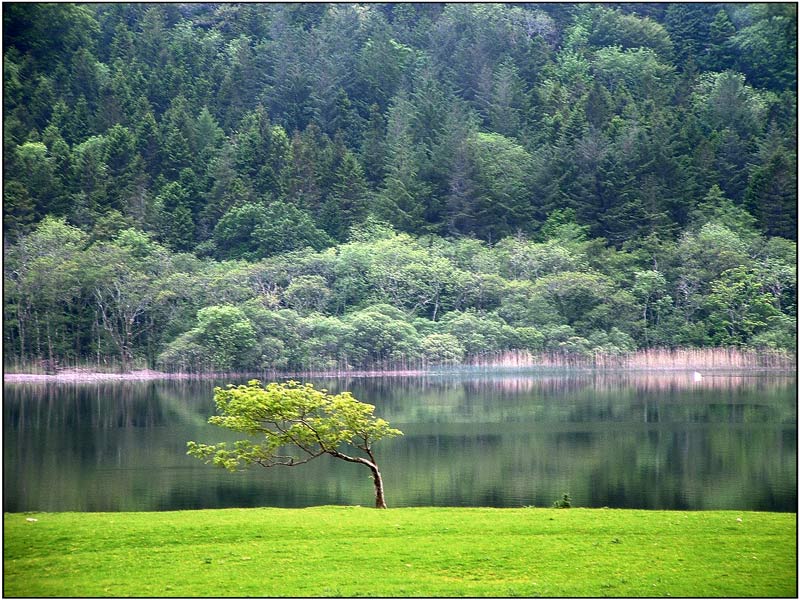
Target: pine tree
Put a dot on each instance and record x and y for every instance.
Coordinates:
(373, 147)
(90, 177)
(347, 203)
(125, 168)
(620, 209)
(599, 106)
(242, 80)
(228, 189)
(688, 27)
(61, 155)
(772, 195)
(148, 136)
(732, 154)
(460, 208)
(208, 136)
(262, 150)
(305, 176)
(508, 106)
(403, 196)
(720, 55)
(177, 134)
(78, 128)
(380, 68)
(19, 209)
(176, 224)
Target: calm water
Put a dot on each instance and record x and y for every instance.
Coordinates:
(657, 441)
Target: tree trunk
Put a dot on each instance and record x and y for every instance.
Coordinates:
(378, 481)
(21, 329)
(373, 466)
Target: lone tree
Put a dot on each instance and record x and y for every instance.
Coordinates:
(297, 420)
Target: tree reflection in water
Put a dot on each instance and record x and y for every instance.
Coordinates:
(619, 439)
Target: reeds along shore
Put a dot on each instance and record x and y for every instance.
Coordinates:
(666, 359)
(650, 359)
(653, 359)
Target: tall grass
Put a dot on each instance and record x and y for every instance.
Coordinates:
(650, 359)
(104, 365)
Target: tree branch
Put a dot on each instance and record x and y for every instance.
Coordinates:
(292, 438)
(286, 461)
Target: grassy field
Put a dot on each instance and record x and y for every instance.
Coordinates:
(354, 551)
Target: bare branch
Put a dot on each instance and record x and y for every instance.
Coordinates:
(293, 439)
(285, 461)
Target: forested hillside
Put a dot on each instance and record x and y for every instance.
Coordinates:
(268, 186)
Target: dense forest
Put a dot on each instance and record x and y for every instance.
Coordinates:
(319, 186)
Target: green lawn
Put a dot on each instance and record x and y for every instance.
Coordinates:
(354, 551)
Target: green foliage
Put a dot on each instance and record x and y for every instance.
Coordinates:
(253, 231)
(772, 193)
(442, 349)
(562, 224)
(764, 49)
(738, 306)
(289, 415)
(573, 294)
(294, 418)
(347, 204)
(49, 31)
(478, 334)
(404, 274)
(227, 335)
(635, 71)
(781, 333)
(614, 27)
(307, 293)
(34, 168)
(727, 101)
(186, 354)
(596, 166)
(328, 344)
(19, 212)
(381, 337)
(175, 218)
(502, 168)
(716, 208)
(564, 502)
(707, 253)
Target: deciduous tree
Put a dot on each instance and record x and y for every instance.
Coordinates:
(298, 423)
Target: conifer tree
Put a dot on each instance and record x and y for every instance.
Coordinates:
(347, 203)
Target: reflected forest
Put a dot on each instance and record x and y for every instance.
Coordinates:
(620, 440)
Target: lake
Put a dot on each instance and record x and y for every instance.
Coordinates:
(621, 440)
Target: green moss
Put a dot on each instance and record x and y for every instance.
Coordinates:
(353, 551)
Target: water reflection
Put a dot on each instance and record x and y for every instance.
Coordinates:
(646, 440)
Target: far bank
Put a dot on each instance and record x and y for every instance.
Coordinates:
(665, 359)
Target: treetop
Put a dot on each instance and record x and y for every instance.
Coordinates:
(291, 416)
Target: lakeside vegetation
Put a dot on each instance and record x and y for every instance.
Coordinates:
(213, 189)
(313, 187)
(395, 303)
(648, 360)
(422, 552)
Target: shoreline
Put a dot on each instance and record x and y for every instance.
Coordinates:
(144, 375)
(88, 376)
